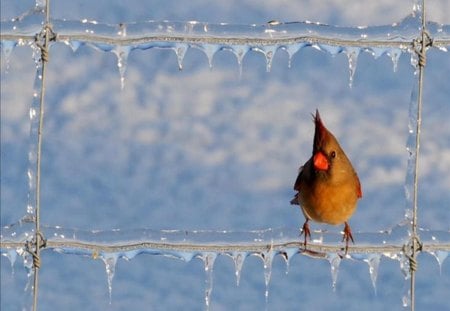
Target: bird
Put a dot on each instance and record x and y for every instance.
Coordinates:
(327, 185)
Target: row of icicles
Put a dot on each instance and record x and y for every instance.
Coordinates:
(240, 51)
(208, 258)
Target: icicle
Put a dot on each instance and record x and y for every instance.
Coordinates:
(333, 50)
(74, 44)
(11, 254)
(378, 52)
(292, 49)
(240, 51)
(417, 7)
(28, 265)
(210, 50)
(440, 257)
(238, 259)
(352, 54)
(334, 260)
(394, 54)
(130, 254)
(208, 260)
(122, 54)
(406, 298)
(404, 265)
(7, 47)
(287, 255)
(373, 260)
(185, 256)
(414, 60)
(269, 53)
(110, 261)
(405, 268)
(267, 258)
(180, 51)
(122, 59)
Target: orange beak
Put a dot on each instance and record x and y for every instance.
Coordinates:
(320, 161)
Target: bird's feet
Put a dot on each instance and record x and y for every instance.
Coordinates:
(306, 232)
(347, 236)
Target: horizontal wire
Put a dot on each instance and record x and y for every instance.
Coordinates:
(226, 247)
(124, 41)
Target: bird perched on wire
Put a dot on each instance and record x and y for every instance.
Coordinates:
(327, 186)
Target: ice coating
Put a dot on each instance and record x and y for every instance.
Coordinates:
(34, 114)
(413, 132)
(183, 245)
(391, 40)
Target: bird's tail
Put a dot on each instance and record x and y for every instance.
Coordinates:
(294, 200)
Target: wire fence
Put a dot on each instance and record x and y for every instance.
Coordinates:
(121, 39)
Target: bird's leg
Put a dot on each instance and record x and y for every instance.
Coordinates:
(347, 236)
(306, 231)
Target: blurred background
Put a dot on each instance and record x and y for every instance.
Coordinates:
(214, 149)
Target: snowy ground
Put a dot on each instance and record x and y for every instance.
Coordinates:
(209, 149)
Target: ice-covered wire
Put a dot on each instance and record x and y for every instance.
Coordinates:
(420, 50)
(42, 41)
(57, 243)
(197, 33)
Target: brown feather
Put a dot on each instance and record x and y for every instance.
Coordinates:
(330, 195)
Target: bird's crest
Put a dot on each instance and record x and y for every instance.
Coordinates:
(320, 131)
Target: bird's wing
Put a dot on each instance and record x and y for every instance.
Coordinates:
(358, 187)
(294, 200)
(298, 181)
(297, 186)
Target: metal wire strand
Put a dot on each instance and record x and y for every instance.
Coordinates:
(43, 44)
(420, 50)
(39, 242)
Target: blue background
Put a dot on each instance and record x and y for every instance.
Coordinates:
(207, 148)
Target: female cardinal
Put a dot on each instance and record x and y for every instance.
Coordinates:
(328, 186)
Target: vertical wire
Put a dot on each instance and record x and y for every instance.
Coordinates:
(38, 236)
(421, 64)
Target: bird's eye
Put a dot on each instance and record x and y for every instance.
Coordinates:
(333, 154)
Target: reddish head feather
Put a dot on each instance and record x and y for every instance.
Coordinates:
(320, 132)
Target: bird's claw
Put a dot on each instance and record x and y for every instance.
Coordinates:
(305, 230)
(347, 236)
